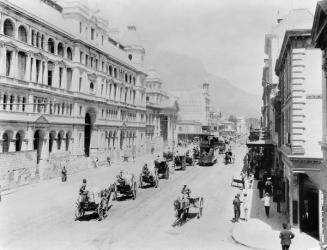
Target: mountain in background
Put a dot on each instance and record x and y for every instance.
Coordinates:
(181, 72)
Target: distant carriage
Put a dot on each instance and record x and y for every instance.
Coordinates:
(229, 158)
(94, 200)
(168, 155)
(162, 168)
(189, 158)
(182, 207)
(125, 185)
(179, 162)
(150, 178)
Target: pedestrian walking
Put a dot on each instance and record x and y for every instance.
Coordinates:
(96, 163)
(63, 174)
(245, 206)
(109, 161)
(286, 237)
(266, 203)
(260, 187)
(236, 205)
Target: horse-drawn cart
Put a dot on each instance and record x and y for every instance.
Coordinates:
(94, 200)
(182, 207)
(125, 185)
(162, 168)
(180, 162)
(148, 177)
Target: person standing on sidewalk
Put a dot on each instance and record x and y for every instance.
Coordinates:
(286, 237)
(236, 205)
(245, 206)
(260, 187)
(266, 203)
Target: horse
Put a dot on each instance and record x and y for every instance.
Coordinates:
(181, 206)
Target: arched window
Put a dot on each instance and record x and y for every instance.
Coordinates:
(67, 141)
(147, 98)
(8, 28)
(126, 78)
(5, 142)
(115, 72)
(51, 45)
(60, 137)
(38, 39)
(22, 34)
(110, 70)
(91, 86)
(42, 41)
(19, 140)
(69, 54)
(60, 50)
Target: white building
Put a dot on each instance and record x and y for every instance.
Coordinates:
(161, 116)
(68, 91)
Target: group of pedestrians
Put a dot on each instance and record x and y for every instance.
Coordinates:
(241, 207)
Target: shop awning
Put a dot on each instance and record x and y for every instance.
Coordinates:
(260, 143)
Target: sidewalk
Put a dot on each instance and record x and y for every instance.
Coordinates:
(260, 232)
(140, 160)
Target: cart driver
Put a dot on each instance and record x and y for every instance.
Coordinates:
(145, 170)
(82, 189)
(185, 191)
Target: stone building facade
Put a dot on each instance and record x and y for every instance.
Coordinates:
(299, 70)
(69, 93)
(161, 117)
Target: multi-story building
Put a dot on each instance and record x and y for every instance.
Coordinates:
(299, 70)
(319, 38)
(194, 107)
(161, 117)
(241, 128)
(67, 89)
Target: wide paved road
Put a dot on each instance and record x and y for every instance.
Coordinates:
(41, 217)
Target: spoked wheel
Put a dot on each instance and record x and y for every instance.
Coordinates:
(78, 211)
(167, 173)
(200, 208)
(134, 191)
(140, 182)
(156, 182)
(101, 211)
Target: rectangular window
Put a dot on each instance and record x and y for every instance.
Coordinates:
(102, 39)
(80, 84)
(91, 62)
(8, 62)
(92, 34)
(80, 27)
(70, 109)
(86, 60)
(101, 89)
(96, 64)
(69, 78)
(81, 57)
(80, 110)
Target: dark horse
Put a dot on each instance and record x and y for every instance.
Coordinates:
(181, 206)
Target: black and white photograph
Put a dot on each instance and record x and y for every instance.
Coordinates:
(163, 124)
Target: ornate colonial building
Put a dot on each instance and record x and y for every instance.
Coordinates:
(67, 89)
(161, 115)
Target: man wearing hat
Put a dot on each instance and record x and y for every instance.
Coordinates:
(268, 186)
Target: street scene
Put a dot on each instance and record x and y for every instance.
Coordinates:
(138, 124)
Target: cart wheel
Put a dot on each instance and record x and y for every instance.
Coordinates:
(140, 182)
(156, 182)
(100, 212)
(200, 208)
(134, 191)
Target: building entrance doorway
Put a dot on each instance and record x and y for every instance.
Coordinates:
(309, 207)
(87, 134)
(37, 144)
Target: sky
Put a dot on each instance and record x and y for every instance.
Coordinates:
(227, 36)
